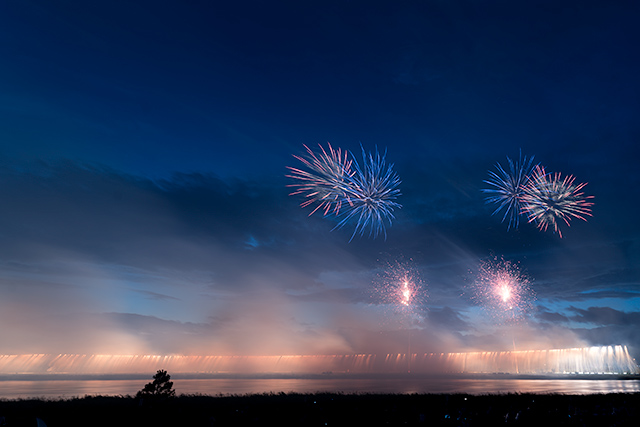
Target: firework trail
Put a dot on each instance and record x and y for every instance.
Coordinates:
(509, 188)
(549, 198)
(503, 290)
(341, 187)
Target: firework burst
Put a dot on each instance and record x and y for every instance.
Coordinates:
(503, 290)
(550, 198)
(508, 191)
(400, 288)
(339, 186)
(369, 198)
(546, 199)
(324, 180)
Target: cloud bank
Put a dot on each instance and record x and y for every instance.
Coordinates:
(96, 261)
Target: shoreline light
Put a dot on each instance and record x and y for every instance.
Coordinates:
(583, 360)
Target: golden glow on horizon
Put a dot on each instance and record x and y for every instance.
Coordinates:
(605, 359)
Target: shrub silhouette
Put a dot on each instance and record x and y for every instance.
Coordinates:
(161, 387)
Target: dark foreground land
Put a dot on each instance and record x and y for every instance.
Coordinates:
(324, 409)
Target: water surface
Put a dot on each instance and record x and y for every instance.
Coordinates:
(12, 389)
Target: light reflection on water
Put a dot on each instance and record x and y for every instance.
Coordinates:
(239, 386)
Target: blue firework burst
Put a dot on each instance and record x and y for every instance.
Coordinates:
(509, 188)
(370, 196)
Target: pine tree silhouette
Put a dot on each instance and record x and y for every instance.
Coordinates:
(161, 387)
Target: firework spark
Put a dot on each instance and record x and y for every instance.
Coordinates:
(503, 290)
(340, 187)
(549, 198)
(509, 188)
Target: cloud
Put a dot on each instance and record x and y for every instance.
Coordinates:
(449, 319)
(547, 316)
(155, 295)
(603, 326)
(192, 222)
(627, 335)
(81, 241)
(605, 316)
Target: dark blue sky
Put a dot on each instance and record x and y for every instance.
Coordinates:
(144, 146)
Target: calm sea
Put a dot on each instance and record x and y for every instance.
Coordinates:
(53, 388)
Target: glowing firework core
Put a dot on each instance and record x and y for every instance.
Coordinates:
(504, 291)
(406, 293)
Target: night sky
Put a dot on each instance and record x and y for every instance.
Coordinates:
(144, 148)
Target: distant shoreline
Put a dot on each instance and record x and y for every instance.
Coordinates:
(326, 375)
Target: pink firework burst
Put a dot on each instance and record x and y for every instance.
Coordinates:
(550, 198)
(503, 290)
(400, 288)
(326, 180)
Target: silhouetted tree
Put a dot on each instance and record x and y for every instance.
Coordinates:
(161, 387)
